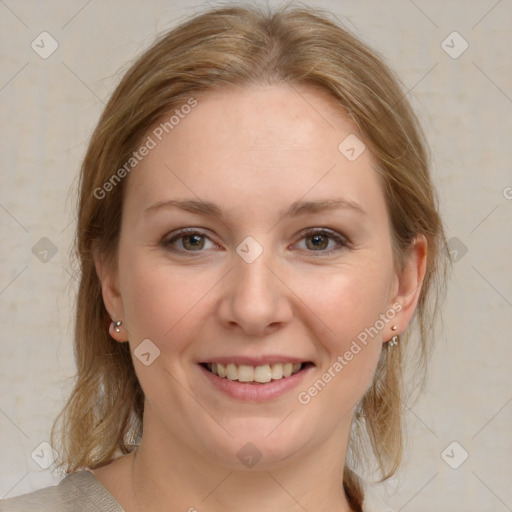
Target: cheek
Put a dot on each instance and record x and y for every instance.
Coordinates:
(160, 299)
(347, 299)
(348, 303)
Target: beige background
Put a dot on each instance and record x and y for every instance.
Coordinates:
(49, 108)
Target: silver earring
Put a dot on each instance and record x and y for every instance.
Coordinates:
(116, 325)
(394, 339)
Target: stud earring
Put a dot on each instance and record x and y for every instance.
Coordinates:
(116, 325)
(394, 340)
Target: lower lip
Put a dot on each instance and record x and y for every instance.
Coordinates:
(255, 392)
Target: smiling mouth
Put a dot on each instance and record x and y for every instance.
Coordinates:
(255, 374)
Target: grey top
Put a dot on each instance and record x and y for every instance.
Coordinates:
(78, 492)
(82, 492)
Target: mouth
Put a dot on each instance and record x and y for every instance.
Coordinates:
(261, 374)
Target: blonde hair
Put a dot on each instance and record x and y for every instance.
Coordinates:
(233, 47)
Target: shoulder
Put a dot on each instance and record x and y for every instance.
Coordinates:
(78, 492)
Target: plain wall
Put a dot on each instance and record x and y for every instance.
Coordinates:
(49, 109)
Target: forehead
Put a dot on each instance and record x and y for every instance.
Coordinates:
(262, 144)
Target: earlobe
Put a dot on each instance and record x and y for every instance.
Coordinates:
(116, 331)
(410, 281)
(112, 299)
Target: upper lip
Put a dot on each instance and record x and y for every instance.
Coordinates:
(255, 361)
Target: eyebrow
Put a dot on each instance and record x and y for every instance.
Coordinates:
(296, 209)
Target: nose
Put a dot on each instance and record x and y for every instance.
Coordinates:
(255, 298)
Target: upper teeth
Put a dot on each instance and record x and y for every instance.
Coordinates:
(263, 373)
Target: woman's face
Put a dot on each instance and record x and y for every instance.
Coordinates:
(286, 259)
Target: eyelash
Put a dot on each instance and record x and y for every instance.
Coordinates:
(343, 242)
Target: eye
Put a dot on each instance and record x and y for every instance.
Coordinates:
(323, 241)
(188, 240)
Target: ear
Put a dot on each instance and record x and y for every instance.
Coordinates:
(108, 276)
(408, 283)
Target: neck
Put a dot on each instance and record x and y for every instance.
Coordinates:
(165, 471)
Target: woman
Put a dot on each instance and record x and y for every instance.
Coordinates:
(261, 256)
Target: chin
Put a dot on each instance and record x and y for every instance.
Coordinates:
(256, 444)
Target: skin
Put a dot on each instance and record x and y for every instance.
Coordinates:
(253, 152)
